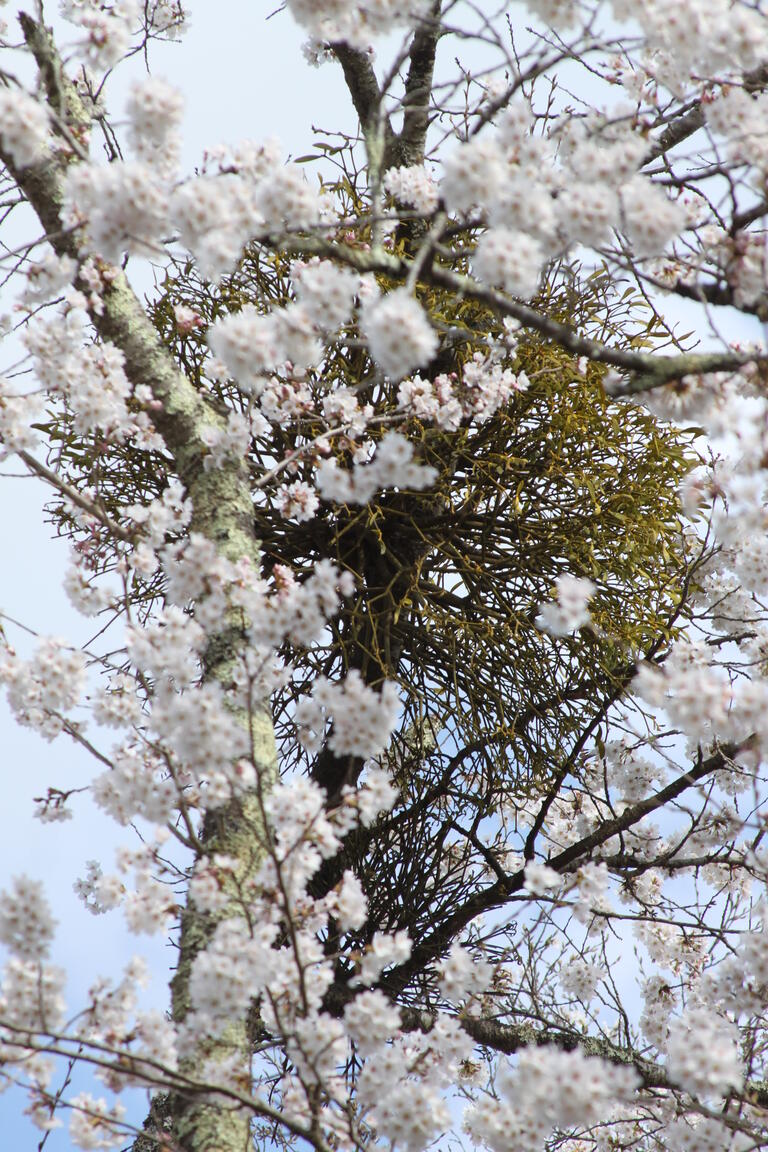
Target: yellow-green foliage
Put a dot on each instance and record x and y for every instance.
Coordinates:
(450, 580)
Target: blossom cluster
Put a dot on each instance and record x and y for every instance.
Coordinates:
(355, 24)
(134, 205)
(569, 611)
(25, 127)
(485, 387)
(527, 1110)
(540, 196)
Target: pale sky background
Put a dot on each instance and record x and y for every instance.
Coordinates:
(244, 77)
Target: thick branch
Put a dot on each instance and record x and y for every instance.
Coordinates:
(649, 371)
(62, 96)
(511, 1038)
(366, 94)
(410, 144)
(679, 129)
(705, 293)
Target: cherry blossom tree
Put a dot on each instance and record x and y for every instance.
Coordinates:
(428, 562)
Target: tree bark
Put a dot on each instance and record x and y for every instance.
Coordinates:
(223, 514)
